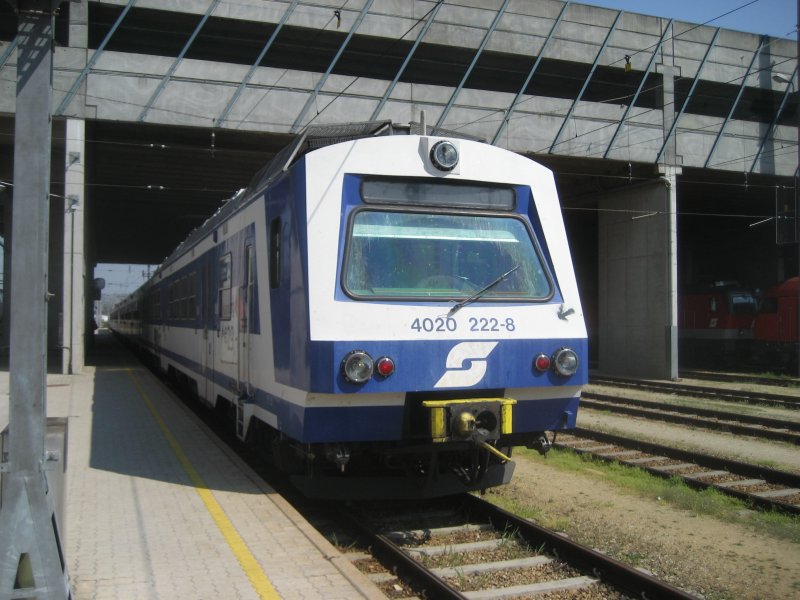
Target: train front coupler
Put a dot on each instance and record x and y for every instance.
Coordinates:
(476, 420)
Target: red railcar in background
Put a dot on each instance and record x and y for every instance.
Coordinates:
(715, 324)
(775, 332)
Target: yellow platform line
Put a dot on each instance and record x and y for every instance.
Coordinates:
(251, 567)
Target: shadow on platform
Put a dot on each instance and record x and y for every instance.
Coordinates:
(126, 437)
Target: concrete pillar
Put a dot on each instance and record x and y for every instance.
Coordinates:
(668, 74)
(638, 304)
(73, 306)
(5, 321)
(74, 297)
(669, 172)
(669, 175)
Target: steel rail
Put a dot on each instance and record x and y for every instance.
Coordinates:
(734, 467)
(770, 434)
(607, 569)
(785, 400)
(739, 377)
(700, 412)
(406, 567)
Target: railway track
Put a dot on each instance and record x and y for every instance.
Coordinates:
(465, 547)
(740, 378)
(760, 486)
(472, 550)
(791, 401)
(761, 427)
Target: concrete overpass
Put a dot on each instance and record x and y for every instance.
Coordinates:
(669, 139)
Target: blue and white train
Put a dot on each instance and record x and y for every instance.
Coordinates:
(386, 316)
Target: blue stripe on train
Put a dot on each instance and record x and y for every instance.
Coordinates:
(385, 423)
(421, 364)
(376, 423)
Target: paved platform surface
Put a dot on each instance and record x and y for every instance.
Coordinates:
(157, 508)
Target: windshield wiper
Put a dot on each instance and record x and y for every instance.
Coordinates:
(459, 305)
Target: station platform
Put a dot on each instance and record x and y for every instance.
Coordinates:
(156, 507)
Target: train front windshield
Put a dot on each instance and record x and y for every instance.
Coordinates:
(403, 254)
(742, 303)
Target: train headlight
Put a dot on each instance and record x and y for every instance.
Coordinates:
(444, 156)
(565, 362)
(357, 366)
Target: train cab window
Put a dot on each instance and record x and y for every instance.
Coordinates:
(769, 306)
(399, 254)
(225, 279)
(743, 303)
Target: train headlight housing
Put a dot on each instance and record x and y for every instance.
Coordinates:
(357, 366)
(444, 156)
(565, 362)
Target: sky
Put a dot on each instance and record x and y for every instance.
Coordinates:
(776, 18)
(122, 279)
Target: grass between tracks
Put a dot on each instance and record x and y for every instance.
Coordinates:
(782, 378)
(673, 491)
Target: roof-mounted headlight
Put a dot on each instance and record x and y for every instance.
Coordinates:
(444, 155)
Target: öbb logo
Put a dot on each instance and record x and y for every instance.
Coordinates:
(474, 354)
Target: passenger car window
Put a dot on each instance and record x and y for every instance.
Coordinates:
(225, 278)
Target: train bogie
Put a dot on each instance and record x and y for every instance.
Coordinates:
(386, 316)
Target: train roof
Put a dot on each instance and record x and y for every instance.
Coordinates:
(716, 286)
(314, 137)
(311, 138)
(790, 287)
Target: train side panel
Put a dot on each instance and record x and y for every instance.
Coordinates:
(775, 330)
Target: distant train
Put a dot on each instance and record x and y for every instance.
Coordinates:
(715, 324)
(384, 314)
(775, 330)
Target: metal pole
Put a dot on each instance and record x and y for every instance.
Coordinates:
(31, 559)
(30, 223)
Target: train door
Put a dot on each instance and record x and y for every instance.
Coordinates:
(244, 314)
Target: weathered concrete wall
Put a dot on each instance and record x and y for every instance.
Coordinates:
(634, 281)
(121, 84)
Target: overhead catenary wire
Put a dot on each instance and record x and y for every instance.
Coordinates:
(459, 126)
(646, 111)
(144, 30)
